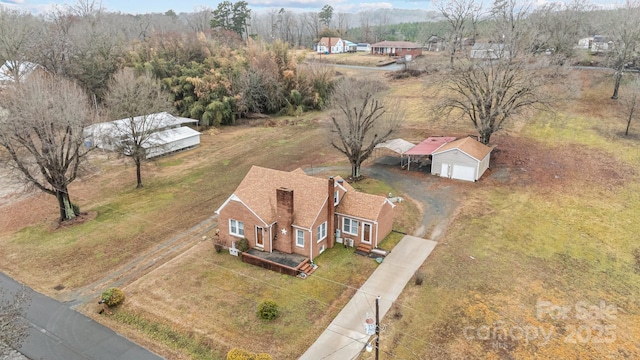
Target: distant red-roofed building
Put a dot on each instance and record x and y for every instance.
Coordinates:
(295, 213)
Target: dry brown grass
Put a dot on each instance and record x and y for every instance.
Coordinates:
(194, 184)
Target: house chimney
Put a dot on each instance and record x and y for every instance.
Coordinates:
(331, 210)
(284, 200)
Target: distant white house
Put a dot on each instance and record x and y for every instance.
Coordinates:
(17, 71)
(489, 51)
(168, 133)
(331, 45)
(600, 44)
(365, 47)
(349, 46)
(585, 43)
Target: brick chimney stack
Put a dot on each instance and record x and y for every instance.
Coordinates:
(284, 199)
(331, 211)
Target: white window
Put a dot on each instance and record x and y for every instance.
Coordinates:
(336, 197)
(236, 228)
(299, 238)
(322, 231)
(350, 226)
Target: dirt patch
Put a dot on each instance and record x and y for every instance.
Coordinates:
(79, 219)
(525, 162)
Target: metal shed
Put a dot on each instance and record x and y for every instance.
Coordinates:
(464, 159)
(168, 141)
(169, 134)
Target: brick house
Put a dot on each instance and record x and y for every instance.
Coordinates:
(397, 48)
(295, 213)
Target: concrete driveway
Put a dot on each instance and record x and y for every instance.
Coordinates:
(345, 337)
(56, 332)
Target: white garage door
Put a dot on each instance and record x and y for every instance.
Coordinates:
(463, 173)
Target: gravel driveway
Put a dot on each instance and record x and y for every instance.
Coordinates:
(436, 197)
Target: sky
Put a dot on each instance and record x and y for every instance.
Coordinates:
(146, 6)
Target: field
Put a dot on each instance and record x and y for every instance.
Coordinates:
(550, 231)
(540, 261)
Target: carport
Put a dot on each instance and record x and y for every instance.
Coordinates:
(399, 146)
(426, 148)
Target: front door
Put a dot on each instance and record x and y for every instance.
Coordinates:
(259, 237)
(444, 170)
(366, 233)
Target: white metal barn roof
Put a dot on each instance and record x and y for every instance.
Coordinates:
(169, 136)
(117, 128)
(400, 146)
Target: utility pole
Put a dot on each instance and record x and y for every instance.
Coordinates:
(377, 326)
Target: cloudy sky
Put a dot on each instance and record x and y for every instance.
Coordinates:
(144, 6)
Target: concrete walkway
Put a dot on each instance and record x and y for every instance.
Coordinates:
(57, 332)
(345, 337)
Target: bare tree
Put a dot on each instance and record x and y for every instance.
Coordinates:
(137, 100)
(365, 25)
(629, 106)
(625, 37)
(17, 40)
(42, 130)
(200, 19)
(313, 25)
(381, 28)
(558, 27)
(343, 23)
(490, 92)
(360, 120)
(86, 8)
(13, 326)
(459, 15)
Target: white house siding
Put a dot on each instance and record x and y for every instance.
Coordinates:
(484, 165)
(453, 157)
(363, 47)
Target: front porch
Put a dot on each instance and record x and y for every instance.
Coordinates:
(290, 264)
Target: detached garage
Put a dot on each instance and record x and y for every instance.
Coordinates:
(464, 159)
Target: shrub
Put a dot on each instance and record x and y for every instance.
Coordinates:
(268, 310)
(113, 296)
(243, 245)
(418, 278)
(240, 354)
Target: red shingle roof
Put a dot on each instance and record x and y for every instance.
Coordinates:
(362, 205)
(258, 191)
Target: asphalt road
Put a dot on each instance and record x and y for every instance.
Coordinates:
(57, 332)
